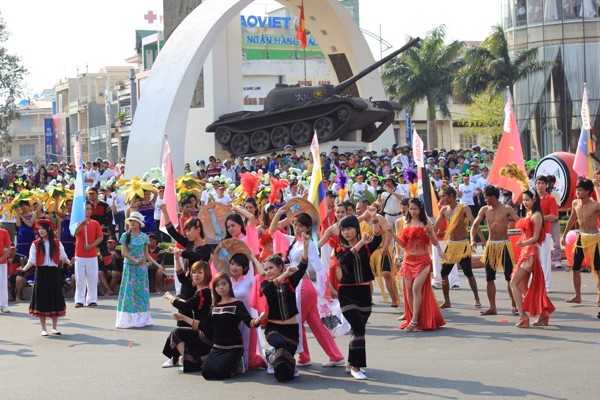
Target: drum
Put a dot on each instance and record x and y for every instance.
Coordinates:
(560, 164)
(514, 235)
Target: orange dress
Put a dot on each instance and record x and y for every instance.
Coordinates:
(536, 299)
(430, 316)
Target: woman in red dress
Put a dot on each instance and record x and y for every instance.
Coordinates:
(533, 299)
(420, 305)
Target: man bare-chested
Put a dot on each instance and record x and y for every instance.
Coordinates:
(585, 213)
(458, 249)
(498, 254)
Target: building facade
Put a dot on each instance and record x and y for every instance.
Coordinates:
(548, 103)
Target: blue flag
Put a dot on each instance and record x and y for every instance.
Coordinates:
(78, 212)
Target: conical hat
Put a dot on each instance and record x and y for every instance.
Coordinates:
(299, 205)
(213, 216)
(225, 250)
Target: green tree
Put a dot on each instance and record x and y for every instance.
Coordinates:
(489, 67)
(11, 86)
(484, 120)
(425, 72)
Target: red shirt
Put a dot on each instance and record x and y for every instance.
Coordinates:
(94, 231)
(4, 242)
(549, 206)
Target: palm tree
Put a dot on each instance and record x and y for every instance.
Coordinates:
(490, 69)
(425, 71)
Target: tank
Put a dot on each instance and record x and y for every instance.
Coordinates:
(292, 113)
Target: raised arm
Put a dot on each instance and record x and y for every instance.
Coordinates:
(244, 213)
(276, 219)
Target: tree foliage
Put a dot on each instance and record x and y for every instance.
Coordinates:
(484, 120)
(489, 68)
(11, 84)
(425, 72)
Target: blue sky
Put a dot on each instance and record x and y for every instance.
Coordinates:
(60, 37)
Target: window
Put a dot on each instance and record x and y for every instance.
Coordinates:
(467, 140)
(26, 150)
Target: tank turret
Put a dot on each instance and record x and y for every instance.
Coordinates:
(292, 113)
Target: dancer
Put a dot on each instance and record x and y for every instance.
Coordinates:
(306, 295)
(47, 297)
(585, 213)
(355, 276)
(187, 340)
(133, 306)
(420, 306)
(498, 254)
(225, 358)
(191, 247)
(532, 299)
(458, 249)
(282, 329)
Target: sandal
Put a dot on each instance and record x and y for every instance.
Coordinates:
(413, 326)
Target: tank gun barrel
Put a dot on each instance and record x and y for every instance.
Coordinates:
(348, 82)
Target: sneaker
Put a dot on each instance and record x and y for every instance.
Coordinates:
(44, 333)
(56, 332)
(304, 364)
(436, 286)
(330, 363)
(270, 369)
(168, 364)
(181, 371)
(558, 266)
(349, 369)
(455, 287)
(358, 375)
(4, 310)
(296, 373)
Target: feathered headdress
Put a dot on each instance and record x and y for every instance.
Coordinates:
(341, 180)
(249, 183)
(513, 171)
(277, 185)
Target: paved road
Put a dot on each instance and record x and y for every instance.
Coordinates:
(472, 357)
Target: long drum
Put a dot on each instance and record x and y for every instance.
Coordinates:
(560, 164)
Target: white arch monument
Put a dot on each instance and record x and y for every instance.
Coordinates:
(210, 37)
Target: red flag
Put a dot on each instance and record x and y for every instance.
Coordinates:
(301, 34)
(169, 198)
(509, 151)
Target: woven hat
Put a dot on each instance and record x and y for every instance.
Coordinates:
(136, 216)
(213, 216)
(225, 250)
(299, 205)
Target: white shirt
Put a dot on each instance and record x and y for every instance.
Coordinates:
(468, 191)
(392, 206)
(482, 183)
(157, 212)
(107, 174)
(92, 174)
(229, 173)
(224, 200)
(358, 188)
(48, 261)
